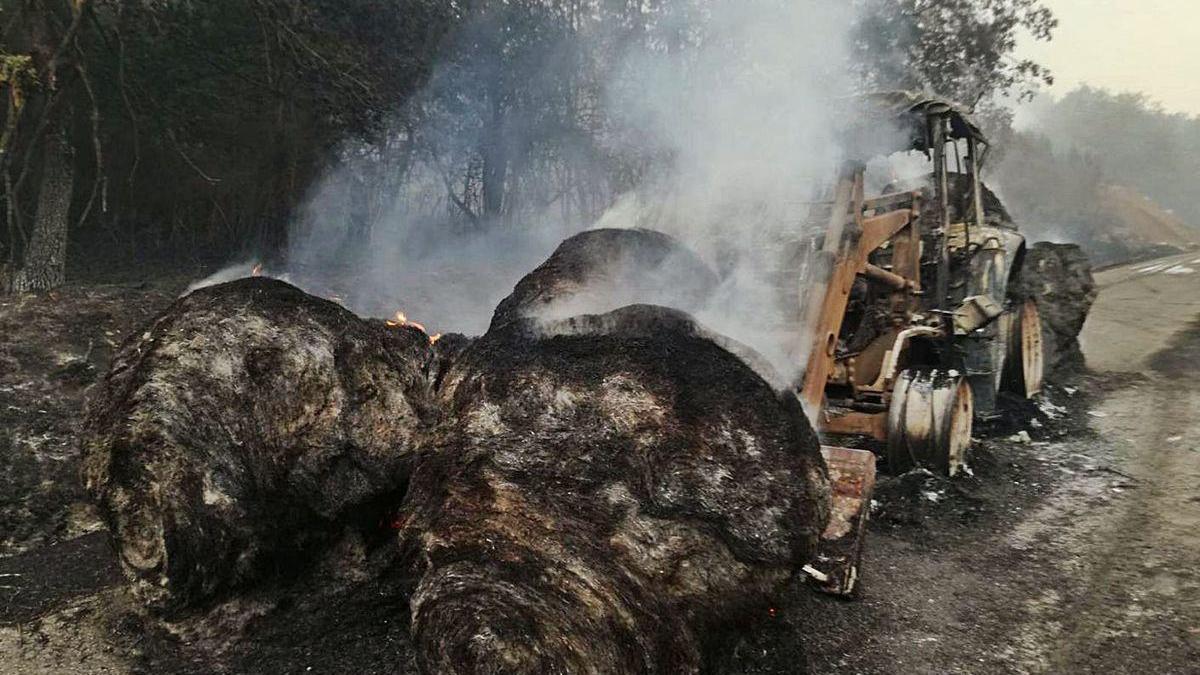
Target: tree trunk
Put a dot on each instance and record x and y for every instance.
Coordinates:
(43, 265)
(495, 164)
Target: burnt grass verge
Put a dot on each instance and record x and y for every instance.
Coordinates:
(1181, 358)
(55, 346)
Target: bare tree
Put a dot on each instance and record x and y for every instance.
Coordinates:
(43, 266)
(40, 113)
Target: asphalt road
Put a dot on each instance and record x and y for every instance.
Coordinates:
(1140, 309)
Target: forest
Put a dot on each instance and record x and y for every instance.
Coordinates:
(141, 133)
(1059, 169)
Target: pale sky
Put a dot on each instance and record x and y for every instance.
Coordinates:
(1152, 46)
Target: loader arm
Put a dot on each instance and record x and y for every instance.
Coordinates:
(850, 239)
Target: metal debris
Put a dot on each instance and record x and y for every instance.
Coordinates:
(852, 482)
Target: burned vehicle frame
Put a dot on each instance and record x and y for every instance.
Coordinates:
(914, 328)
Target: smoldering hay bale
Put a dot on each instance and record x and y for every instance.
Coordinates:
(241, 426)
(598, 500)
(601, 270)
(584, 494)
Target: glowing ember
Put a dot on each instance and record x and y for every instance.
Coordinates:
(434, 338)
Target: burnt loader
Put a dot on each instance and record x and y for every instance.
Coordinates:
(913, 327)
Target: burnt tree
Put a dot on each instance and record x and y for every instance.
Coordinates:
(43, 265)
(47, 87)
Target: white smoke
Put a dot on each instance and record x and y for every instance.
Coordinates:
(749, 119)
(238, 270)
(737, 124)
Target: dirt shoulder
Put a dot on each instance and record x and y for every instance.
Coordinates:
(1132, 597)
(953, 574)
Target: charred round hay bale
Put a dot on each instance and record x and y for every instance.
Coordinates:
(1059, 278)
(241, 427)
(590, 494)
(597, 501)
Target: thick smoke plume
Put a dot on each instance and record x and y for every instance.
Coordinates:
(748, 120)
(713, 123)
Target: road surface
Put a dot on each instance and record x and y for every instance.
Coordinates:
(1134, 601)
(1141, 308)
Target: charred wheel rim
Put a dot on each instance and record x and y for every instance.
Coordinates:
(899, 456)
(958, 408)
(930, 422)
(1025, 358)
(1032, 354)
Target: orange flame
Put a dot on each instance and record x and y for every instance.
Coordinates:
(257, 271)
(401, 320)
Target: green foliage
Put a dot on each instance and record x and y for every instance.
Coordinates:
(17, 69)
(511, 112)
(1053, 192)
(202, 124)
(961, 49)
(1085, 159)
(244, 103)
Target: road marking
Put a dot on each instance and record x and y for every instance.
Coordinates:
(1144, 270)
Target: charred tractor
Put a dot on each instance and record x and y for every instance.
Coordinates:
(914, 328)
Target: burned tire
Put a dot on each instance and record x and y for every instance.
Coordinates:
(1025, 360)
(930, 421)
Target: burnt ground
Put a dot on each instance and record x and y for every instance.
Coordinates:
(1073, 551)
(52, 349)
(947, 582)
